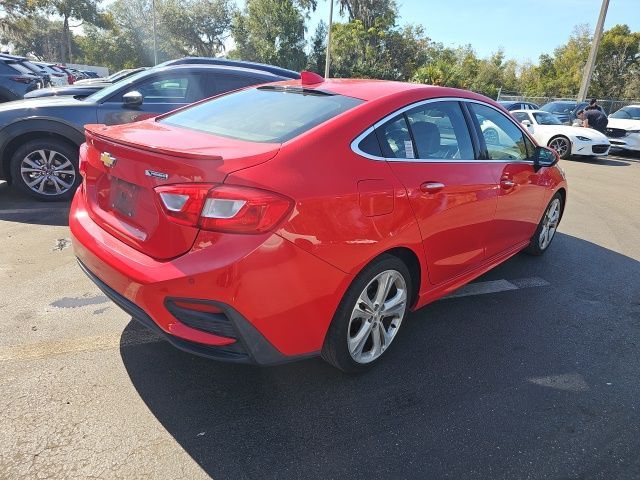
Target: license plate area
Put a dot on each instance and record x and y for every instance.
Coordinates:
(123, 196)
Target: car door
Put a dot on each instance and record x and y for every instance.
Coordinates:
(161, 93)
(453, 195)
(510, 155)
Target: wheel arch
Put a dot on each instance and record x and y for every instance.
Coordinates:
(411, 259)
(17, 133)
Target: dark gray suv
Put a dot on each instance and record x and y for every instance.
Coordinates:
(16, 80)
(39, 137)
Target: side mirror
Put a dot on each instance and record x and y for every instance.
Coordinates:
(544, 157)
(132, 99)
(526, 123)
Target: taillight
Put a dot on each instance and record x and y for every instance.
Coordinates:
(22, 79)
(223, 208)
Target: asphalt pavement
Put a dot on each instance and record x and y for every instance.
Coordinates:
(532, 371)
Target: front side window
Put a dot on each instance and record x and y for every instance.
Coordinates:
(503, 138)
(167, 90)
(440, 131)
(265, 114)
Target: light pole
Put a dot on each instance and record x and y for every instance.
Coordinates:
(155, 51)
(327, 57)
(591, 62)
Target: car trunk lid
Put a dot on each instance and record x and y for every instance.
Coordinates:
(122, 165)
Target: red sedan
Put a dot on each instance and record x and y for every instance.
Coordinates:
(308, 217)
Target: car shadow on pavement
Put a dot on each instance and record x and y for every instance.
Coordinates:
(599, 161)
(535, 382)
(16, 206)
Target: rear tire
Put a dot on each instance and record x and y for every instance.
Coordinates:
(369, 315)
(547, 227)
(47, 169)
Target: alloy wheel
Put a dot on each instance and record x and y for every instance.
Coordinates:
(549, 223)
(47, 172)
(560, 145)
(376, 317)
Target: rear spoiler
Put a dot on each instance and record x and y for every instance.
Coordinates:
(93, 130)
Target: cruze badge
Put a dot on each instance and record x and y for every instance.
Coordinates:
(108, 160)
(154, 174)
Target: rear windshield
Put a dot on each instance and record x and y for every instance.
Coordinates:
(263, 114)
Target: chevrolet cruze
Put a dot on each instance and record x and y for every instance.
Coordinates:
(307, 217)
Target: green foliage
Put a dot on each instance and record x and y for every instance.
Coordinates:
(271, 31)
(197, 27)
(317, 56)
(618, 64)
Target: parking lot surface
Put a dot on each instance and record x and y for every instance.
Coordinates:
(530, 372)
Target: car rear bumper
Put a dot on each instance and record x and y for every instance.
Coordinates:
(276, 299)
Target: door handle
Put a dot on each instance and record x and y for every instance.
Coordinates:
(507, 184)
(431, 187)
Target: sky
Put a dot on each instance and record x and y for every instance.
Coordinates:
(523, 28)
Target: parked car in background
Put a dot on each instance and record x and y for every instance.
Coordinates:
(113, 78)
(16, 80)
(89, 74)
(57, 75)
(305, 217)
(564, 139)
(33, 68)
(517, 105)
(39, 137)
(623, 129)
(562, 110)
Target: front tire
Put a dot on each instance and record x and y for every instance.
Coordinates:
(562, 145)
(47, 170)
(369, 315)
(547, 227)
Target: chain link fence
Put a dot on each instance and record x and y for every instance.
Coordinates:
(610, 105)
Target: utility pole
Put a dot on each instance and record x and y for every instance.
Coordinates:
(591, 62)
(327, 57)
(155, 51)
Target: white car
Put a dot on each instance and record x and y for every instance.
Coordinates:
(623, 129)
(565, 139)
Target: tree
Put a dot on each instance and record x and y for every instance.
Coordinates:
(317, 56)
(271, 31)
(617, 63)
(198, 27)
(34, 35)
(368, 11)
(78, 10)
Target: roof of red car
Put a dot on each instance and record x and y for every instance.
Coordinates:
(366, 89)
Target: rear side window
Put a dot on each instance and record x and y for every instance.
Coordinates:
(396, 139)
(264, 114)
(370, 145)
(440, 131)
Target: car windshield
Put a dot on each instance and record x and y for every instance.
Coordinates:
(630, 113)
(268, 114)
(558, 107)
(546, 118)
(114, 87)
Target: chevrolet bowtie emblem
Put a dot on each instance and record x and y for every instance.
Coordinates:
(108, 160)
